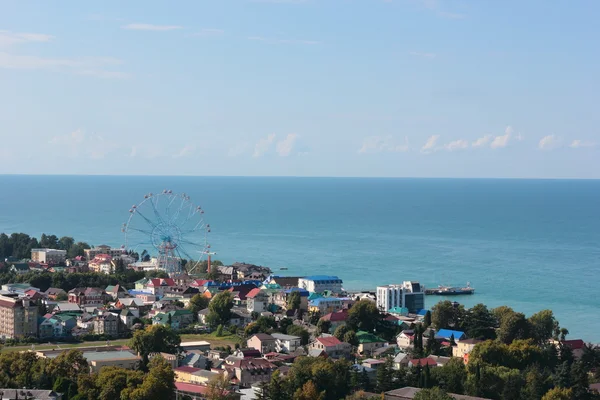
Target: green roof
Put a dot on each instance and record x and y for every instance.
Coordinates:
(110, 288)
(271, 286)
(142, 281)
(398, 310)
(161, 317)
(176, 313)
(366, 337)
(314, 296)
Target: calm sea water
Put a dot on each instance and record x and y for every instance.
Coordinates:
(529, 244)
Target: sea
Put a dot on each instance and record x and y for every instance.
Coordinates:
(528, 244)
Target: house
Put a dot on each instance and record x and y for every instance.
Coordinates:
(448, 334)
(247, 353)
(20, 268)
(200, 392)
(53, 293)
(249, 371)
(405, 338)
(65, 307)
(331, 346)
(262, 342)
(464, 347)
(326, 305)
(373, 363)
(239, 318)
(367, 342)
(116, 291)
(141, 284)
(257, 300)
(106, 324)
(280, 298)
(320, 283)
(178, 319)
(134, 304)
(200, 345)
(102, 263)
(398, 311)
(88, 296)
(440, 360)
(18, 288)
(423, 362)
(194, 358)
(286, 343)
(184, 374)
(127, 318)
(336, 319)
(401, 360)
(576, 345)
(30, 394)
(203, 377)
(157, 286)
(202, 314)
(284, 282)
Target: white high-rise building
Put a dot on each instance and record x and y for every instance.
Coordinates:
(409, 294)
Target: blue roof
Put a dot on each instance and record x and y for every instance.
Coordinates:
(135, 292)
(320, 300)
(322, 278)
(447, 333)
(422, 311)
(303, 292)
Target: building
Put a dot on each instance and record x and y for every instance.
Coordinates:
(422, 362)
(285, 282)
(249, 371)
(286, 343)
(102, 263)
(200, 345)
(448, 334)
(48, 256)
(409, 393)
(336, 319)
(321, 283)
(409, 295)
(368, 342)
(88, 296)
(262, 342)
(106, 324)
(331, 346)
(29, 394)
(116, 291)
(203, 377)
(257, 300)
(280, 297)
(157, 286)
(464, 347)
(101, 356)
(90, 254)
(18, 288)
(199, 392)
(326, 305)
(54, 293)
(18, 317)
(184, 373)
(178, 319)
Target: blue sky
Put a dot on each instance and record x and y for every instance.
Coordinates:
(421, 88)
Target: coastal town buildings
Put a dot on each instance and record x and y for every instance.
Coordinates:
(48, 256)
(18, 317)
(321, 283)
(92, 253)
(409, 295)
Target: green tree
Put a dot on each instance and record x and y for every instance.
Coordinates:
(385, 376)
(67, 364)
(323, 326)
(340, 332)
(218, 388)
(155, 339)
(294, 300)
(432, 394)
(277, 388)
(513, 327)
(220, 309)
(219, 332)
(111, 381)
(197, 303)
(480, 323)
(427, 319)
(542, 325)
(452, 376)
(559, 394)
(308, 392)
(442, 315)
(350, 337)
(363, 315)
(297, 330)
(158, 384)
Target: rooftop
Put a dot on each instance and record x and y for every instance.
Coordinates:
(322, 278)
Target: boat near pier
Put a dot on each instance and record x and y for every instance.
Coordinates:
(450, 290)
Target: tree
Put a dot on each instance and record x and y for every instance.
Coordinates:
(385, 376)
(513, 327)
(219, 332)
(197, 303)
(340, 332)
(284, 324)
(294, 300)
(480, 323)
(277, 389)
(427, 319)
(297, 330)
(314, 317)
(432, 394)
(442, 315)
(308, 392)
(155, 339)
(452, 376)
(220, 309)
(158, 384)
(323, 326)
(558, 394)
(363, 316)
(67, 364)
(218, 388)
(111, 381)
(542, 325)
(350, 337)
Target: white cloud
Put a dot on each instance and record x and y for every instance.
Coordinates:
(482, 141)
(8, 38)
(93, 66)
(423, 55)
(185, 151)
(502, 141)
(151, 27)
(263, 145)
(457, 145)
(577, 144)
(80, 144)
(376, 144)
(548, 142)
(430, 144)
(283, 41)
(208, 32)
(285, 146)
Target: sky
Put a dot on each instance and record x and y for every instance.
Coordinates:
(384, 88)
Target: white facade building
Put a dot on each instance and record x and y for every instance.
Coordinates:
(321, 283)
(45, 256)
(409, 294)
(90, 254)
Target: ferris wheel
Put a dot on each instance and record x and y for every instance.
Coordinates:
(168, 228)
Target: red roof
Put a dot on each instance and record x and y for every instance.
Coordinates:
(187, 369)
(199, 282)
(424, 361)
(161, 282)
(329, 341)
(336, 316)
(251, 294)
(191, 388)
(575, 344)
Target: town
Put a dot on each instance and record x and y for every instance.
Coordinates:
(242, 332)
